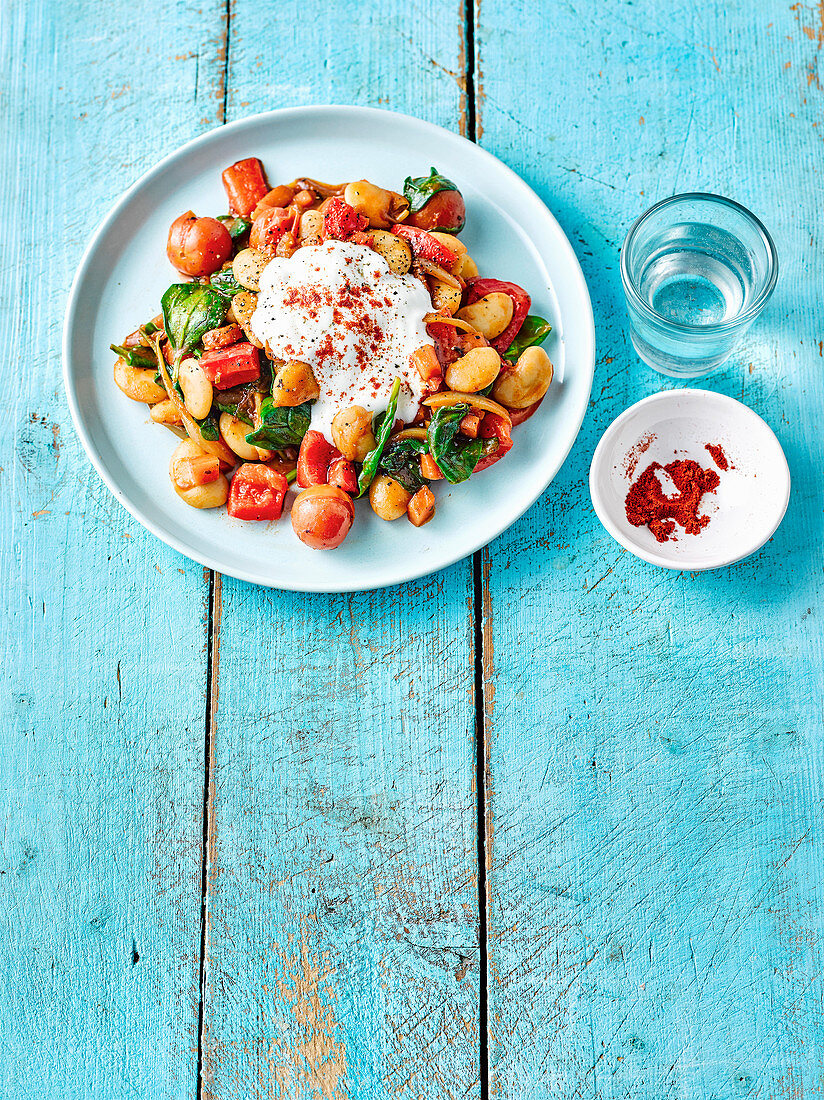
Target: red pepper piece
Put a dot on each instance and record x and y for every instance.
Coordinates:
(245, 185)
(494, 427)
(342, 474)
(479, 288)
(518, 416)
(227, 367)
(256, 492)
(314, 459)
(426, 246)
(341, 221)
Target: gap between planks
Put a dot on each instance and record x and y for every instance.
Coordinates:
(479, 631)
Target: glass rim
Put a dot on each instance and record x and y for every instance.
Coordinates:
(755, 306)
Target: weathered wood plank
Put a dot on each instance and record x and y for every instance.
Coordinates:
(104, 629)
(654, 793)
(342, 951)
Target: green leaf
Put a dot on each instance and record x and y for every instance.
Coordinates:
(281, 427)
(189, 311)
(225, 283)
(533, 332)
(370, 463)
(400, 460)
(209, 428)
(455, 462)
(136, 357)
(237, 226)
(419, 191)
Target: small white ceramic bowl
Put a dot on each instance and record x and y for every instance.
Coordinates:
(744, 510)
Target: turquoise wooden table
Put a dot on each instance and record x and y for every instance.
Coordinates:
(547, 824)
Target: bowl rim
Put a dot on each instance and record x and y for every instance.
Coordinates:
(722, 327)
(661, 557)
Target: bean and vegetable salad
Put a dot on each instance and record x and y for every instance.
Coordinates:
(241, 381)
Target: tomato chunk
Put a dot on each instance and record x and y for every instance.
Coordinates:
(341, 221)
(423, 244)
(342, 474)
(314, 459)
(227, 367)
(494, 427)
(269, 227)
(256, 492)
(245, 185)
(521, 301)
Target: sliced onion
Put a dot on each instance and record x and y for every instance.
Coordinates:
(213, 447)
(457, 322)
(437, 272)
(475, 400)
(410, 433)
(325, 190)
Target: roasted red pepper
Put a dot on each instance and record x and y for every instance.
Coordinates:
(423, 244)
(479, 288)
(342, 474)
(314, 459)
(256, 492)
(245, 185)
(341, 221)
(494, 427)
(520, 415)
(227, 367)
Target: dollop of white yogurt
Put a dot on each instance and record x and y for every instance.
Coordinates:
(341, 309)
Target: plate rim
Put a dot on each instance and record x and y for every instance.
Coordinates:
(71, 319)
(721, 561)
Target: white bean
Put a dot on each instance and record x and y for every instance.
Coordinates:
(197, 389)
(138, 383)
(526, 382)
(394, 250)
(311, 224)
(489, 315)
(234, 433)
(247, 267)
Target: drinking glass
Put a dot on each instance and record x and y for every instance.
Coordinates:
(697, 270)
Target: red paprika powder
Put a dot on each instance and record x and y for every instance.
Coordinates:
(648, 506)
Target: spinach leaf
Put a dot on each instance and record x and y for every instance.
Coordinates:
(237, 226)
(370, 463)
(400, 461)
(533, 331)
(281, 427)
(136, 357)
(233, 409)
(209, 427)
(419, 191)
(189, 311)
(455, 462)
(225, 283)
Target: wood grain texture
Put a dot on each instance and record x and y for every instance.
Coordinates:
(342, 945)
(654, 759)
(104, 629)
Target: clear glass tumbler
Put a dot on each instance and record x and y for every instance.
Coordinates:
(697, 270)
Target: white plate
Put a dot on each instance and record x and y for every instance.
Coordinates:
(510, 233)
(745, 509)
